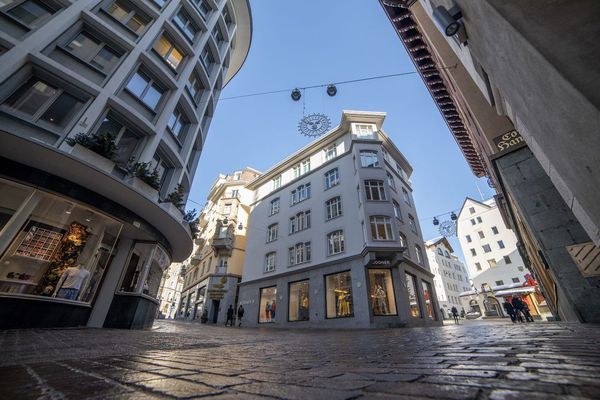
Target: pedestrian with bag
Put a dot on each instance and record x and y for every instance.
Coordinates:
(454, 314)
(240, 314)
(230, 316)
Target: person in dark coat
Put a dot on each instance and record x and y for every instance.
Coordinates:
(455, 314)
(510, 310)
(240, 314)
(518, 306)
(229, 316)
(526, 312)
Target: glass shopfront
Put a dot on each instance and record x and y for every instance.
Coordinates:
(51, 246)
(144, 271)
(298, 302)
(381, 292)
(427, 293)
(414, 309)
(268, 305)
(200, 298)
(338, 292)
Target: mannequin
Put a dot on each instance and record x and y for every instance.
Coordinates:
(71, 282)
(380, 300)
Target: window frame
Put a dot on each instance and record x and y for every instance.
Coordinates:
(299, 251)
(275, 201)
(173, 47)
(39, 22)
(267, 258)
(329, 183)
(134, 11)
(341, 241)
(366, 155)
(189, 22)
(330, 207)
(375, 184)
(150, 82)
(272, 232)
(387, 225)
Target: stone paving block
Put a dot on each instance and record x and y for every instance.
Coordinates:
(294, 392)
(178, 388)
(420, 389)
(218, 381)
(532, 386)
(501, 394)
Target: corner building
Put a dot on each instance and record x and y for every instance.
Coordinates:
(334, 238)
(83, 240)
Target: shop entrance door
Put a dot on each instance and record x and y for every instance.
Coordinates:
(215, 310)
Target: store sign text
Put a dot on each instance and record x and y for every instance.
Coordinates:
(508, 140)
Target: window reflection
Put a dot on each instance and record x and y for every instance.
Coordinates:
(298, 302)
(268, 305)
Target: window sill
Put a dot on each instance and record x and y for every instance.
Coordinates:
(146, 106)
(332, 218)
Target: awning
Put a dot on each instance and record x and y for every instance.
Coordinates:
(517, 290)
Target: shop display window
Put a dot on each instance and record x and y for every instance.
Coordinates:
(144, 271)
(268, 305)
(51, 246)
(338, 292)
(381, 292)
(413, 300)
(427, 293)
(200, 298)
(298, 301)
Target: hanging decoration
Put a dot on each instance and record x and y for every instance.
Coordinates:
(447, 228)
(313, 124)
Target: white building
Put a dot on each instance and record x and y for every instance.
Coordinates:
(451, 276)
(334, 238)
(169, 293)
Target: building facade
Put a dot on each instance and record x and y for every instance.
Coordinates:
(104, 109)
(451, 277)
(335, 239)
(534, 136)
(169, 292)
(215, 268)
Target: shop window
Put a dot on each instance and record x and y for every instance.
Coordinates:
(381, 228)
(335, 242)
(375, 190)
(60, 249)
(333, 208)
(31, 13)
(144, 271)
(146, 89)
(338, 292)
(186, 25)
(414, 308)
(298, 301)
(381, 291)
(169, 52)
(128, 15)
(41, 102)
(427, 296)
(274, 206)
(268, 305)
(332, 178)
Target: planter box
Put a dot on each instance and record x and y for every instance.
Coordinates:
(144, 188)
(174, 211)
(92, 158)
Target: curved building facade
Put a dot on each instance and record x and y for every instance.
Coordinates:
(104, 109)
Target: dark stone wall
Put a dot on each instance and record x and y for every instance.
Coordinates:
(130, 312)
(19, 313)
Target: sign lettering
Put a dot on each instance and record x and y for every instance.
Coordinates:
(508, 140)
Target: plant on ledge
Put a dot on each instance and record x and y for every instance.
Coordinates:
(142, 170)
(176, 197)
(190, 218)
(100, 143)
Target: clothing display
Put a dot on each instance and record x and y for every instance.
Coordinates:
(71, 282)
(344, 299)
(380, 303)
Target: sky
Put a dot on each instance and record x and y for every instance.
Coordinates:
(312, 42)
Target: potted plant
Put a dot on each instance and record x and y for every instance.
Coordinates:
(98, 149)
(145, 178)
(175, 202)
(190, 218)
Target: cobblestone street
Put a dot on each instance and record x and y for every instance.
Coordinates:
(476, 360)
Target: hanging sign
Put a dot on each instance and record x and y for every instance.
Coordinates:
(508, 140)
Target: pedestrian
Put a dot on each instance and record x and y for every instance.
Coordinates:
(510, 310)
(240, 314)
(528, 316)
(268, 312)
(462, 312)
(229, 316)
(518, 306)
(455, 315)
(273, 308)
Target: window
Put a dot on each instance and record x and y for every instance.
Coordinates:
(162, 166)
(405, 196)
(335, 242)
(468, 237)
(145, 89)
(447, 255)
(296, 170)
(397, 212)
(301, 193)
(369, 159)
(507, 260)
(177, 123)
(217, 35)
(521, 269)
(499, 283)
(413, 300)
(203, 8)
(207, 59)
(381, 291)
(300, 222)
(277, 182)
(227, 16)
(391, 181)
(298, 307)
(491, 263)
(235, 193)
(268, 305)
(270, 260)
(299, 254)
(501, 244)
(185, 24)
(375, 190)
(41, 101)
(486, 248)
(363, 130)
(274, 207)
(305, 166)
(126, 140)
(412, 223)
(473, 221)
(227, 209)
(419, 254)
(94, 51)
(168, 52)
(479, 220)
(122, 12)
(333, 208)
(272, 232)
(31, 13)
(473, 252)
(330, 152)
(494, 230)
(402, 240)
(440, 252)
(428, 297)
(381, 228)
(195, 87)
(332, 178)
(472, 210)
(338, 295)
(515, 280)
(481, 235)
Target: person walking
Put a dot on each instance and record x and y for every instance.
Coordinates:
(454, 314)
(518, 306)
(229, 316)
(240, 314)
(510, 310)
(526, 312)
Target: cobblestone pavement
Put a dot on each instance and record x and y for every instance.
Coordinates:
(475, 360)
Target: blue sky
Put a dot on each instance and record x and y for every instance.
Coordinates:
(310, 42)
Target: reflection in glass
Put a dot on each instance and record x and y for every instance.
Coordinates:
(338, 289)
(383, 301)
(145, 267)
(298, 302)
(428, 300)
(413, 300)
(268, 305)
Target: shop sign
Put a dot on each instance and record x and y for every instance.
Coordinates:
(381, 262)
(216, 294)
(508, 140)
